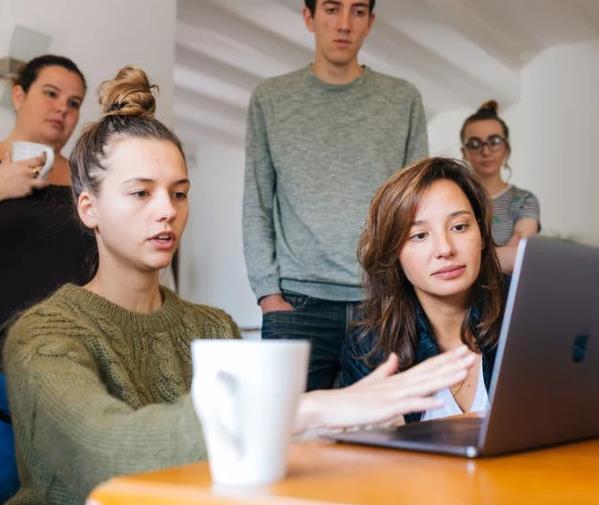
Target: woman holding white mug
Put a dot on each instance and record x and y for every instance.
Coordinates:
(99, 375)
(47, 245)
(43, 245)
(46, 95)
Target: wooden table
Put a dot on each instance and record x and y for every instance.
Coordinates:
(327, 473)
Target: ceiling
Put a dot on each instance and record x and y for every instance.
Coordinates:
(457, 52)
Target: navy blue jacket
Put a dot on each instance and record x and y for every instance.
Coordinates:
(353, 367)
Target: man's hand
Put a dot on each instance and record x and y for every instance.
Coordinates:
(274, 303)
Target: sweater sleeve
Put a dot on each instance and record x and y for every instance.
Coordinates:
(234, 331)
(258, 201)
(417, 143)
(66, 421)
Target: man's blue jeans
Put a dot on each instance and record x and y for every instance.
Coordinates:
(324, 323)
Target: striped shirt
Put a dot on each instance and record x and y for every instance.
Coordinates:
(509, 207)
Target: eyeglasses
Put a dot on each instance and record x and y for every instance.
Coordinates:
(494, 142)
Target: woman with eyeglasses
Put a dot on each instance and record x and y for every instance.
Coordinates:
(486, 148)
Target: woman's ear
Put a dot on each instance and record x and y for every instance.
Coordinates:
(18, 96)
(86, 207)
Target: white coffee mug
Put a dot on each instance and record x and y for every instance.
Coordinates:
(245, 394)
(24, 150)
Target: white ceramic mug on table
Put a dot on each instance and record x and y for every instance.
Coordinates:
(246, 394)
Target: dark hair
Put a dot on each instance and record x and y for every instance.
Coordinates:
(487, 110)
(128, 107)
(29, 72)
(311, 5)
(390, 305)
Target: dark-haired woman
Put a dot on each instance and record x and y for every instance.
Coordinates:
(486, 148)
(43, 246)
(99, 375)
(432, 280)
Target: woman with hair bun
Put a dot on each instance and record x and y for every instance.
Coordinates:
(486, 148)
(99, 375)
(43, 245)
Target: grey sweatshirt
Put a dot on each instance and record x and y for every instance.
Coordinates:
(315, 155)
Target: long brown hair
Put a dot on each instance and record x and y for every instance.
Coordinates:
(390, 305)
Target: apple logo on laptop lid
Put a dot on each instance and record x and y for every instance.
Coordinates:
(579, 349)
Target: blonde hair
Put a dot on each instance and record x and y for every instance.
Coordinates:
(128, 94)
(128, 107)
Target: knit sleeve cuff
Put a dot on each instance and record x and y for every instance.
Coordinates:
(267, 286)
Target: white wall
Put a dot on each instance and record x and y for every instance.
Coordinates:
(212, 265)
(444, 131)
(100, 37)
(554, 132)
(560, 115)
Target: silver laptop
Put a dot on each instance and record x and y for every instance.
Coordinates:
(545, 384)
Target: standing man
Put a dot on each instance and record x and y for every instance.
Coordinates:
(320, 141)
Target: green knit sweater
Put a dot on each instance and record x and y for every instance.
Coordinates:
(96, 391)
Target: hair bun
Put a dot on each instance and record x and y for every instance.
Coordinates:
(128, 94)
(490, 106)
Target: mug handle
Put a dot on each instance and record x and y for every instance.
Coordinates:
(228, 410)
(48, 165)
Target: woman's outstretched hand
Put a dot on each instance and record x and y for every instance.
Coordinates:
(384, 396)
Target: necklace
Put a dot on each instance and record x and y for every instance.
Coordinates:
(458, 387)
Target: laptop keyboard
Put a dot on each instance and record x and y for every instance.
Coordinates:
(449, 431)
(454, 435)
